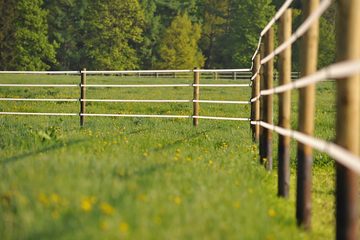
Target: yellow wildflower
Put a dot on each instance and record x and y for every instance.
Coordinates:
(177, 200)
(43, 199)
(124, 227)
(107, 209)
(271, 212)
(236, 204)
(87, 204)
(55, 199)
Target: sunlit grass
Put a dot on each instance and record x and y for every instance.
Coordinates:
(146, 178)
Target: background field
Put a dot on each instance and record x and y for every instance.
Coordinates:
(147, 178)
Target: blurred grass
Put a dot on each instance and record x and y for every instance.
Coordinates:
(147, 178)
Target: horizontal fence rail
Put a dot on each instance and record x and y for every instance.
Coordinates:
(124, 115)
(232, 73)
(122, 101)
(344, 151)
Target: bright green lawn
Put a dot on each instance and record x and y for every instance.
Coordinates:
(145, 178)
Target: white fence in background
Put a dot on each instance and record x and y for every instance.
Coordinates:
(221, 74)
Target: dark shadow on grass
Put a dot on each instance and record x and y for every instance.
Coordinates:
(137, 131)
(182, 140)
(126, 175)
(42, 150)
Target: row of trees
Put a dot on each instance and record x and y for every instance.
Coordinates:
(132, 34)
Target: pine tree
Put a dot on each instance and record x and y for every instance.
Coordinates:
(24, 36)
(215, 23)
(179, 45)
(151, 34)
(113, 33)
(66, 27)
(240, 42)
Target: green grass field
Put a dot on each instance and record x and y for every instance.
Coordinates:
(147, 178)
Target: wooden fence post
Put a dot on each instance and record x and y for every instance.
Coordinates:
(255, 106)
(82, 97)
(284, 106)
(196, 105)
(309, 56)
(268, 101)
(261, 105)
(348, 120)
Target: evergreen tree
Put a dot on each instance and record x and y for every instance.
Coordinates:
(66, 27)
(24, 36)
(215, 23)
(179, 45)
(240, 42)
(113, 33)
(152, 29)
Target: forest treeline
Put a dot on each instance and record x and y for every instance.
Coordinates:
(139, 34)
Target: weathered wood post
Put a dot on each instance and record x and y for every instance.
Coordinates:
(256, 83)
(309, 56)
(82, 97)
(348, 120)
(196, 104)
(268, 101)
(255, 105)
(285, 31)
(261, 105)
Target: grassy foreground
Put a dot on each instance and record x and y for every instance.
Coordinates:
(142, 178)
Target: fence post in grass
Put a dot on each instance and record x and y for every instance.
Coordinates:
(284, 106)
(308, 58)
(196, 104)
(82, 97)
(348, 120)
(268, 101)
(261, 105)
(255, 106)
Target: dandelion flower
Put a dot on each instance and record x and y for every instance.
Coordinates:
(124, 227)
(107, 209)
(236, 204)
(43, 199)
(271, 212)
(87, 204)
(177, 200)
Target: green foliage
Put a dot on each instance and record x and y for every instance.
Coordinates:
(131, 34)
(244, 27)
(66, 27)
(327, 44)
(215, 25)
(113, 30)
(25, 41)
(151, 34)
(179, 45)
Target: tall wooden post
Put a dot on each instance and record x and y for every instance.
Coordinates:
(284, 106)
(268, 101)
(261, 105)
(82, 97)
(255, 106)
(309, 56)
(348, 120)
(196, 104)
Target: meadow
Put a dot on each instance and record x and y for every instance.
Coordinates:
(135, 178)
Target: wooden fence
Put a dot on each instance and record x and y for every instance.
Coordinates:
(346, 72)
